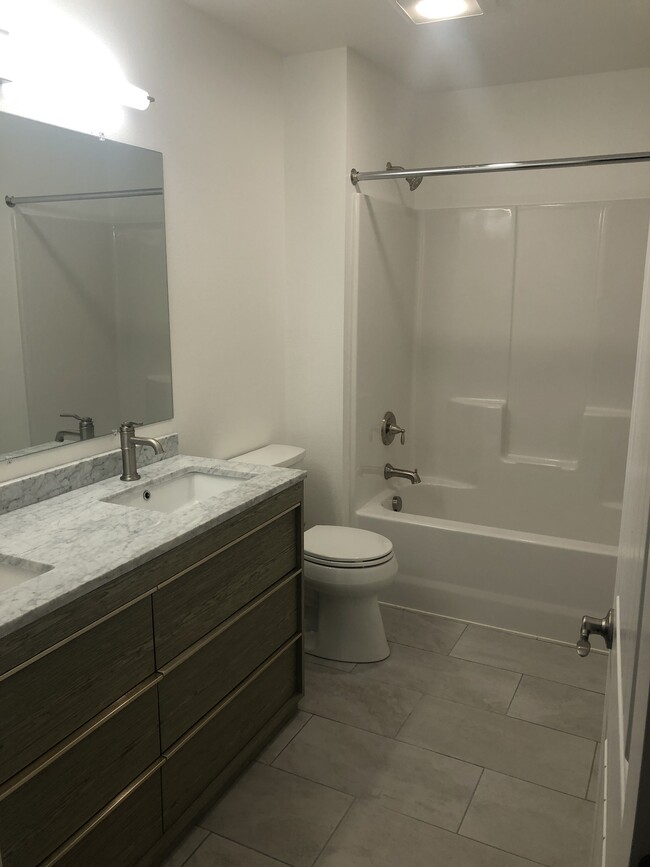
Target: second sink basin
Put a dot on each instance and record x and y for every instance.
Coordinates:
(175, 493)
(14, 571)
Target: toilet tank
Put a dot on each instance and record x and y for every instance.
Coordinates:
(273, 455)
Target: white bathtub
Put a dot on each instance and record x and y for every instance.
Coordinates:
(530, 583)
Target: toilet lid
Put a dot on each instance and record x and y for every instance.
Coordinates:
(346, 546)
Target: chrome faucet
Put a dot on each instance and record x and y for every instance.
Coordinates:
(412, 475)
(86, 428)
(128, 442)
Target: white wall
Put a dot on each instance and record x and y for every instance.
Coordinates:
(315, 116)
(218, 121)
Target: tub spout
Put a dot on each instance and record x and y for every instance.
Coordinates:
(412, 475)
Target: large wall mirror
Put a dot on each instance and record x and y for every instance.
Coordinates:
(84, 314)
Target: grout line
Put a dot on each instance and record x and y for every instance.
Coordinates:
(451, 649)
(441, 696)
(338, 825)
(250, 848)
(505, 851)
(290, 741)
(409, 714)
(469, 803)
(198, 845)
(474, 707)
(359, 727)
(539, 677)
(521, 677)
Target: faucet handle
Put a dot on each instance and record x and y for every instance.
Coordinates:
(390, 429)
(126, 424)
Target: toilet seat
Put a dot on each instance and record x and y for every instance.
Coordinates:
(346, 547)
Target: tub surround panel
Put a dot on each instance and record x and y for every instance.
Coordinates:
(90, 543)
(36, 487)
(386, 298)
(525, 350)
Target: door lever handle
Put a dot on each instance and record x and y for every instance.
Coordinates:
(593, 626)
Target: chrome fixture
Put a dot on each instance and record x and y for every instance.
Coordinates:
(86, 428)
(413, 183)
(594, 626)
(563, 162)
(128, 442)
(412, 475)
(12, 201)
(396, 503)
(390, 429)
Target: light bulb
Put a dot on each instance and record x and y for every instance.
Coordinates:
(436, 9)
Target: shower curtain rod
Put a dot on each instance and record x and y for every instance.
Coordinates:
(482, 168)
(12, 201)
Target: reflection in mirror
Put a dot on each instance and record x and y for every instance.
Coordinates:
(84, 315)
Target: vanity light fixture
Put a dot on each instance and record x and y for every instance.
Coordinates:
(429, 11)
(62, 73)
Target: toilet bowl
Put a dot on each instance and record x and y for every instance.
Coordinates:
(345, 568)
(348, 568)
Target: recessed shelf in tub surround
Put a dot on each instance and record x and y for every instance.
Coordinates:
(36, 487)
(89, 542)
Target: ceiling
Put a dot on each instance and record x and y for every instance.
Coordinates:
(514, 40)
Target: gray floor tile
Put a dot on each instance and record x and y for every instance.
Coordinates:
(530, 821)
(186, 847)
(279, 742)
(529, 656)
(510, 746)
(329, 663)
(279, 814)
(371, 836)
(559, 706)
(357, 700)
(425, 631)
(453, 679)
(216, 851)
(405, 778)
(594, 782)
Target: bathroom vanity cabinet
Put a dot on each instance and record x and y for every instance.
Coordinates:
(127, 711)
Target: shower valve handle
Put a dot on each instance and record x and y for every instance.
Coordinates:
(390, 429)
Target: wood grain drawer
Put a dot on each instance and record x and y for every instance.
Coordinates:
(197, 681)
(200, 757)
(122, 834)
(193, 604)
(52, 799)
(50, 698)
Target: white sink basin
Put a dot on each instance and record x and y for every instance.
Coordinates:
(176, 493)
(14, 572)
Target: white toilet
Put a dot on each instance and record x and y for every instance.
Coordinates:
(347, 568)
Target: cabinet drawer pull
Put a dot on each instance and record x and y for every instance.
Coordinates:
(236, 541)
(31, 771)
(215, 633)
(97, 819)
(180, 743)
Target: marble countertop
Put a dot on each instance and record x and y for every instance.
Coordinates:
(88, 542)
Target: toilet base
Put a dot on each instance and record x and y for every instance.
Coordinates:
(350, 629)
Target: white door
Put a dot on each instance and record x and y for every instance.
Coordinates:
(623, 818)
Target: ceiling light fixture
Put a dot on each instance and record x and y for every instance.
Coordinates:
(428, 11)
